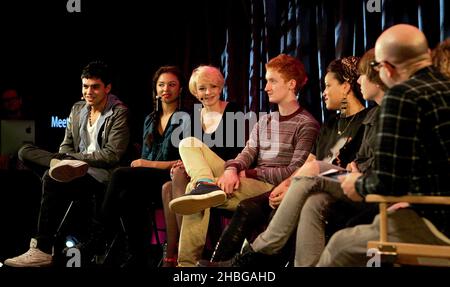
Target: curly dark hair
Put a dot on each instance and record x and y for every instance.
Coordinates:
(346, 70)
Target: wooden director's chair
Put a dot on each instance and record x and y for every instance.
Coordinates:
(400, 253)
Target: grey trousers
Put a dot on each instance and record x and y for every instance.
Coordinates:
(304, 206)
(348, 247)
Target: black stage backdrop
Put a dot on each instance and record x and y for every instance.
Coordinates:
(44, 47)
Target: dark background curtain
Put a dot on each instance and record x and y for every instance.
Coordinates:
(319, 31)
(43, 47)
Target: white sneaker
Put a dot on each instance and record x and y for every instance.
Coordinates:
(32, 258)
(67, 170)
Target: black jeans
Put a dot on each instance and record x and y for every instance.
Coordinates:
(56, 196)
(130, 193)
(35, 158)
(250, 218)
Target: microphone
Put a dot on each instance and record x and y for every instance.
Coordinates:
(157, 102)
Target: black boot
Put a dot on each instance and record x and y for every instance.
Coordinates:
(138, 237)
(249, 215)
(248, 258)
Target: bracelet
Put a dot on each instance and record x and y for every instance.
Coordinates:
(231, 168)
(171, 173)
(170, 259)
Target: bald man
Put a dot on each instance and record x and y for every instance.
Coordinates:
(413, 149)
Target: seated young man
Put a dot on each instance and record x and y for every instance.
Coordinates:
(307, 203)
(95, 141)
(279, 143)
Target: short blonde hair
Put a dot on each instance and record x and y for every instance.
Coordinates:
(209, 73)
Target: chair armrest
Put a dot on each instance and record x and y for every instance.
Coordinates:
(416, 199)
(383, 201)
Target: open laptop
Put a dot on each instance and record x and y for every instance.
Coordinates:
(14, 134)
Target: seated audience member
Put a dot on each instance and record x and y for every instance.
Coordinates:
(206, 84)
(11, 105)
(11, 108)
(412, 153)
(279, 143)
(441, 57)
(341, 78)
(95, 141)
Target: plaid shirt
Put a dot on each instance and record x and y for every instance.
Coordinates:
(413, 140)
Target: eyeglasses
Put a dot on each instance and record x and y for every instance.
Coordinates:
(376, 66)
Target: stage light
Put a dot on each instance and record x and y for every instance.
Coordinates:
(71, 241)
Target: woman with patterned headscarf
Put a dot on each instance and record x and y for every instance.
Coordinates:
(340, 136)
(336, 146)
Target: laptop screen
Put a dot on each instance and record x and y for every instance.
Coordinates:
(14, 134)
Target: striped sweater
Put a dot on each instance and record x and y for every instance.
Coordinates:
(278, 145)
